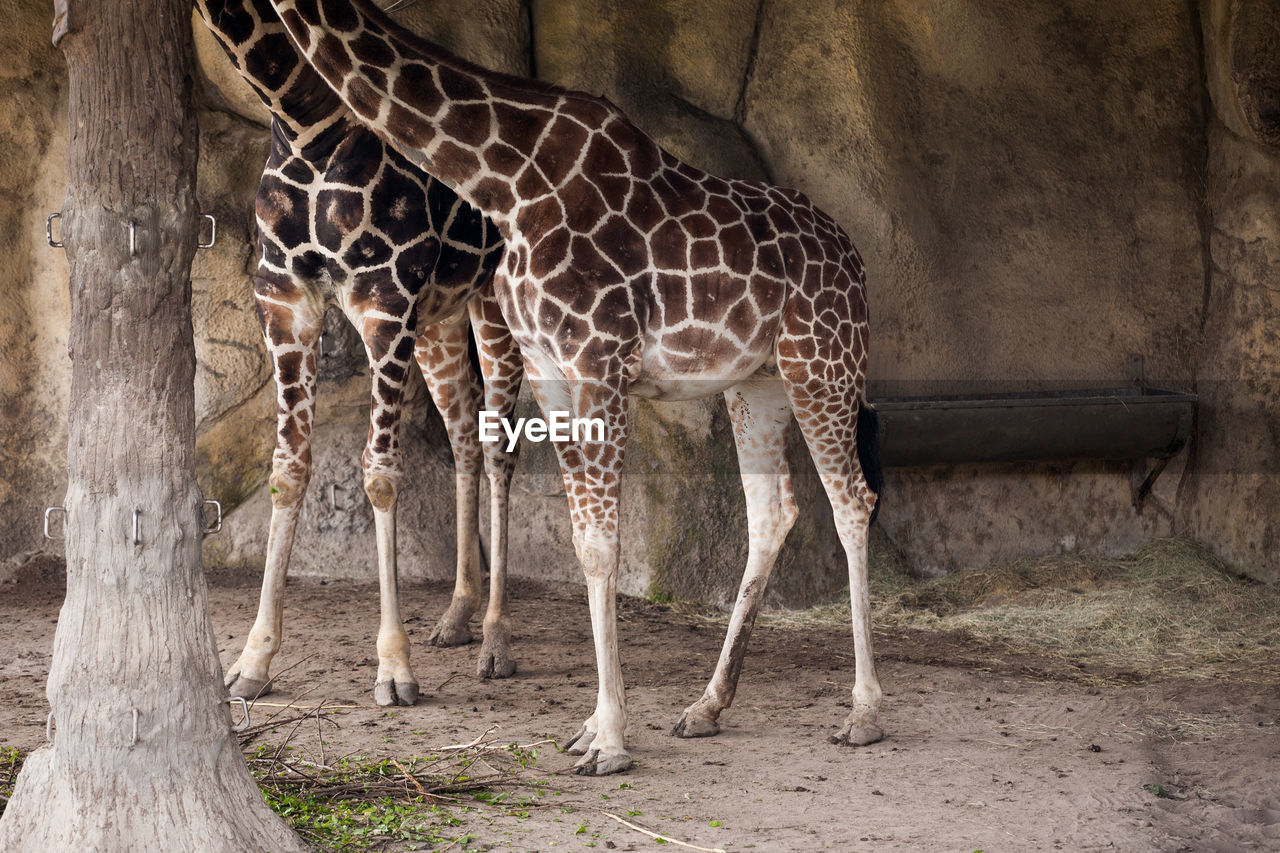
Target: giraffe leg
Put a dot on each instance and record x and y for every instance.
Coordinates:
(591, 469)
(500, 363)
(389, 345)
(828, 417)
(442, 355)
(760, 414)
(291, 323)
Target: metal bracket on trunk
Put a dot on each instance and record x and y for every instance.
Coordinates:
(48, 518)
(244, 721)
(48, 230)
(213, 231)
(210, 529)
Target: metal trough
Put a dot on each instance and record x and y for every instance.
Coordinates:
(1131, 423)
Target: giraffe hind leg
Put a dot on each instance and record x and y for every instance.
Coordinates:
(502, 369)
(441, 353)
(760, 414)
(828, 416)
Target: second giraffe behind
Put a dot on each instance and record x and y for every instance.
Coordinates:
(630, 272)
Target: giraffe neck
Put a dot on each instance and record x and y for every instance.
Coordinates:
(306, 112)
(489, 136)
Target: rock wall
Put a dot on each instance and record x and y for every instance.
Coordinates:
(1023, 180)
(34, 370)
(1040, 191)
(1231, 497)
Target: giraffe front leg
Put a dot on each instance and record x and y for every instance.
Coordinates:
(249, 677)
(591, 468)
(396, 684)
(390, 347)
(601, 742)
(581, 740)
(291, 323)
(760, 414)
(502, 370)
(442, 357)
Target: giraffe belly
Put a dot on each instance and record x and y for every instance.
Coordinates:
(670, 369)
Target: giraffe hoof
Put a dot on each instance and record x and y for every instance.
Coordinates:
(495, 665)
(581, 742)
(857, 734)
(448, 634)
(495, 657)
(691, 725)
(247, 688)
(595, 763)
(391, 693)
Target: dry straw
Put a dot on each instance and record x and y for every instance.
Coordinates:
(1171, 609)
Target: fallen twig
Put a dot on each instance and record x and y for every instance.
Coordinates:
(267, 685)
(325, 704)
(476, 742)
(658, 837)
(409, 776)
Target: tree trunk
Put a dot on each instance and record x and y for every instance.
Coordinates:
(134, 639)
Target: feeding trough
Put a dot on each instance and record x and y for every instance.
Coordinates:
(1125, 423)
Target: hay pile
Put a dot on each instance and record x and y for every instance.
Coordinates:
(1171, 609)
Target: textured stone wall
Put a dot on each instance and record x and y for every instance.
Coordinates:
(34, 369)
(1231, 496)
(1023, 180)
(1040, 190)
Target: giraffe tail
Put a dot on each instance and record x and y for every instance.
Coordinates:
(869, 452)
(473, 355)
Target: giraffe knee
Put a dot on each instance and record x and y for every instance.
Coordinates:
(381, 491)
(285, 492)
(598, 560)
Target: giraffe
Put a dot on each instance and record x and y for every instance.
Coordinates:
(629, 272)
(345, 219)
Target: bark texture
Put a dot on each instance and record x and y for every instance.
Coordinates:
(142, 757)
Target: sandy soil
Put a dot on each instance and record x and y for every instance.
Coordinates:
(1017, 755)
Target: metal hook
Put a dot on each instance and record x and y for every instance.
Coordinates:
(48, 230)
(320, 346)
(244, 706)
(213, 231)
(217, 524)
(333, 496)
(137, 526)
(48, 513)
(133, 238)
(134, 740)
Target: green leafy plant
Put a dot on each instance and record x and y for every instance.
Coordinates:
(357, 803)
(10, 764)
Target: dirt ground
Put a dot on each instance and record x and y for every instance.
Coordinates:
(1015, 756)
